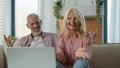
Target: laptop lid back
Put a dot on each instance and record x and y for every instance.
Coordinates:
(31, 57)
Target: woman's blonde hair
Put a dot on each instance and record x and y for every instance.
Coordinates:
(80, 17)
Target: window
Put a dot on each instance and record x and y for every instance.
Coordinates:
(2, 21)
(113, 21)
(41, 7)
(22, 9)
(109, 15)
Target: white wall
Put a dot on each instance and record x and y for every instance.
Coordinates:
(88, 7)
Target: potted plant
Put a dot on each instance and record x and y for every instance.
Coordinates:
(57, 8)
(98, 10)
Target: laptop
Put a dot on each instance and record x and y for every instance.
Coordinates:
(26, 57)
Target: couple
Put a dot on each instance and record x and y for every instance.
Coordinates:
(73, 46)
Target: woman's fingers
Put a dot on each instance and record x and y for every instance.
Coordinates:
(81, 49)
(86, 55)
(82, 53)
(83, 57)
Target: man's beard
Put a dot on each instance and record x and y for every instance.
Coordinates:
(36, 33)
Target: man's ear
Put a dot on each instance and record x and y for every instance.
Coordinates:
(41, 22)
(27, 25)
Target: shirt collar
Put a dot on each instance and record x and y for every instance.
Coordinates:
(42, 35)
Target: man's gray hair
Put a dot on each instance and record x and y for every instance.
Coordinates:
(33, 15)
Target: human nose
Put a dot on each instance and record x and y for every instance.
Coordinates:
(72, 19)
(36, 25)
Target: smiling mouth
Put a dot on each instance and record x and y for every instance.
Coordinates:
(36, 29)
(73, 25)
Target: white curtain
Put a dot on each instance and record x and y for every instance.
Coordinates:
(5, 19)
(46, 14)
(2, 21)
(114, 24)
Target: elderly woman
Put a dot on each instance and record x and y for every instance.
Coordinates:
(74, 43)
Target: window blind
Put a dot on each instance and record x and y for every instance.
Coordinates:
(2, 21)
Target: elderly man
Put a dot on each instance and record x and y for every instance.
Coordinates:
(36, 38)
